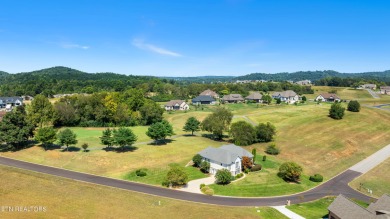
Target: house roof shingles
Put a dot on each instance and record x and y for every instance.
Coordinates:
(174, 102)
(286, 94)
(254, 96)
(225, 154)
(10, 99)
(203, 98)
(233, 97)
(208, 92)
(330, 96)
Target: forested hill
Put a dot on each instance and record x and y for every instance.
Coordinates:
(316, 75)
(2, 73)
(66, 80)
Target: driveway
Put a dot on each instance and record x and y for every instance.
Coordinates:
(194, 185)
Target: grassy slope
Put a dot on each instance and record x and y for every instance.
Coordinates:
(378, 180)
(25, 188)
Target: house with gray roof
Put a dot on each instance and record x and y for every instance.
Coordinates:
(203, 99)
(343, 208)
(225, 157)
(328, 97)
(232, 98)
(254, 97)
(287, 96)
(10, 102)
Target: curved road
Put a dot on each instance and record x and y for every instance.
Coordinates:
(337, 185)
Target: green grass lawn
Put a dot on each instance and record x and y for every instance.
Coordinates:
(376, 180)
(64, 198)
(263, 183)
(156, 176)
(317, 209)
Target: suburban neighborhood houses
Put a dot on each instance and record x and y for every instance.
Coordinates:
(225, 157)
(232, 98)
(203, 100)
(176, 105)
(368, 86)
(304, 83)
(287, 96)
(344, 208)
(210, 93)
(328, 97)
(385, 90)
(254, 97)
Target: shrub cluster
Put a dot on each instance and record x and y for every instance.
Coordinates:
(316, 178)
(272, 149)
(239, 175)
(202, 185)
(207, 190)
(140, 172)
(256, 167)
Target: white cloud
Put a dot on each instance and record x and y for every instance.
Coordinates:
(73, 46)
(145, 46)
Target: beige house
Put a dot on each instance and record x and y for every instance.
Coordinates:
(232, 98)
(210, 93)
(176, 105)
(254, 97)
(385, 90)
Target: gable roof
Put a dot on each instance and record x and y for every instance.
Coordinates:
(225, 154)
(286, 94)
(346, 209)
(208, 92)
(203, 98)
(11, 99)
(254, 96)
(382, 205)
(233, 97)
(174, 102)
(329, 96)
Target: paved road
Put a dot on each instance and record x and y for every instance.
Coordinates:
(373, 94)
(337, 185)
(372, 161)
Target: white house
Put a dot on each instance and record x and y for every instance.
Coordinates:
(304, 82)
(287, 96)
(176, 105)
(225, 157)
(368, 86)
(9, 102)
(328, 97)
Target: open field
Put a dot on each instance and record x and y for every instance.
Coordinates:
(345, 93)
(305, 135)
(61, 198)
(377, 179)
(263, 183)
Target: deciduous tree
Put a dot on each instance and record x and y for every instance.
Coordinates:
(243, 133)
(265, 132)
(336, 111)
(46, 135)
(67, 137)
(124, 137)
(290, 171)
(192, 125)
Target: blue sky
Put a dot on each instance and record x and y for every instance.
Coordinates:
(191, 38)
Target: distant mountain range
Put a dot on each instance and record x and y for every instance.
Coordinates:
(64, 73)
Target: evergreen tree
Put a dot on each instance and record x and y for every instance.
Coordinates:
(336, 111)
(106, 138)
(124, 137)
(353, 106)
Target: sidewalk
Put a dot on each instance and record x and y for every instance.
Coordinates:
(282, 209)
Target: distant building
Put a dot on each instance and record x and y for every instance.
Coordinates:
(304, 82)
(328, 97)
(385, 90)
(343, 208)
(9, 102)
(210, 93)
(368, 86)
(176, 105)
(254, 97)
(27, 98)
(203, 100)
(232, 98)
(287, 96)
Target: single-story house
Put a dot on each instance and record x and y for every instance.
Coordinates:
(343, 208)
(209, 92)
(368, 86)
(176, 105)
(225, 157)
(9, 102)
(304, 82)
(232, 98)
(287, 96)
(255, 97)
(328, 97)
(385, 90)
(203, 100)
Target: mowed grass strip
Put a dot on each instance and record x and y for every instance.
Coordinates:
(377, 180)
(64, 198)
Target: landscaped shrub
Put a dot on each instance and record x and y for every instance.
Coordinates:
(264, 158)
(223, 177)
(290, 171)
(176, 176)
(205, 166)
(239, 175)
(202, 185)
(207, 190)
(246, 163)
(272, 149)
(197, 159)
(140, 172)
(246, 171)
(354, 106)
(256, 167)
(336, 111)
(316, 178)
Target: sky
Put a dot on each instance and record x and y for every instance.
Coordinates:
(195, 37)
